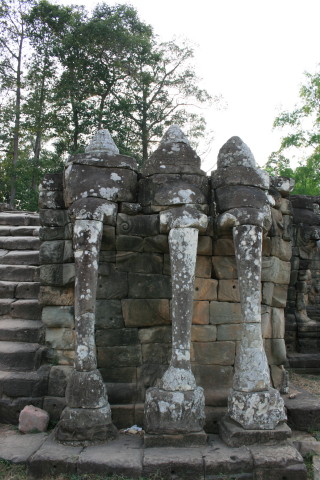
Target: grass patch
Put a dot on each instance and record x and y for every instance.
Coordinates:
(11, 471)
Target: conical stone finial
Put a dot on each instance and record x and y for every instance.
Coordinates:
(174, 134)
(102, 142)
(235, 153)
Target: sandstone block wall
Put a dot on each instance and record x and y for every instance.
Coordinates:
(133, 332)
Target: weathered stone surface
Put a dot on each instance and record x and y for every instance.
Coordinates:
(33, 419)
(275, 270)
(229, 332)
(228, 291)
(222, 460)
(156, 353)
(278, 323)
(139, 262)
(274, 295)
(109, 314)
(55, 317)
(223, 247)
(204, 245)
(145, 312)
(54, 233)
(236, 436)
(139, 225)
(185, 462)
(57, 251)
(56, 296)
(119, 374)
(112, 284)
(119, 356)
(183, 217)
(49, 199)
(108, 241)
(229, 197)
(200, 314)
(178, 440)
(281, 249)
(26, 309)
(129, 243)
(57, 274)
(203, 333)
(116, 336)
(149, 286)
(123, 456)
(213, 353)
(27, 290)
(225, 312)
(174, 154)
(155, 335)
(58, 379)
(113, 184)
(85, 426)
(240, 175)
(19, 273)
(18, 448)
(178, 193)
(53, 218)
(60, 338)
(275, 351)
(257, 410)
(216, 381)
(54, 456)
(86, 390)
(205, 289)
(156, 244)
(285, 206)
(224, 267)
(174, 412)
(203, 267)
(54, 406)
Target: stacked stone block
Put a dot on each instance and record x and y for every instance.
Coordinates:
(56, 289)
(133, 327)
(302, 312)
(23, 377)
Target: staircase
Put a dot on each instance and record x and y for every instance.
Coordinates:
(23, 379)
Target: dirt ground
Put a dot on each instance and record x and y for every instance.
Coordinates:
(309, 382)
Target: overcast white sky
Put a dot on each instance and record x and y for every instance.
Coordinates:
(253, 52)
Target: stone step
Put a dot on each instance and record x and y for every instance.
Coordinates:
(20, 257)
(19, 243)
(11, 290)
(303, 410)
(19, 219)
(7, 289)
(5, 306)
(304, 362)
(31, 231)
(29, 331)
(29, 309)
(24, 384)
(19, 273)
(20, 356)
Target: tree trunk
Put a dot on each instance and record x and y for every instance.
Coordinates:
(16, 131)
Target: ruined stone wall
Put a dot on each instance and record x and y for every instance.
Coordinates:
(133, 332)
(303, 306)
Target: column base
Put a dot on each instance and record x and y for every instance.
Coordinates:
(234, 435)
(172, 413)
(197, 439)
(85, 426)
(257, 410)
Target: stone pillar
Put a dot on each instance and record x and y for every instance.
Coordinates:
(174, 411)
(252, 402)
(240, 189)
(93, 183)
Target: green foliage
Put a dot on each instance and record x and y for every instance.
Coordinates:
(65, 73)
(303, 136)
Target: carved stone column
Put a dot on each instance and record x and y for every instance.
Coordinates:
(94, 182)
(174, 410)
(243, 206)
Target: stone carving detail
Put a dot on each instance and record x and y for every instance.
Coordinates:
(252, 402)
(87, 417)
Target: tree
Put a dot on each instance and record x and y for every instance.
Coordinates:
(161, 89)
(12, 58)
(303, 127)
